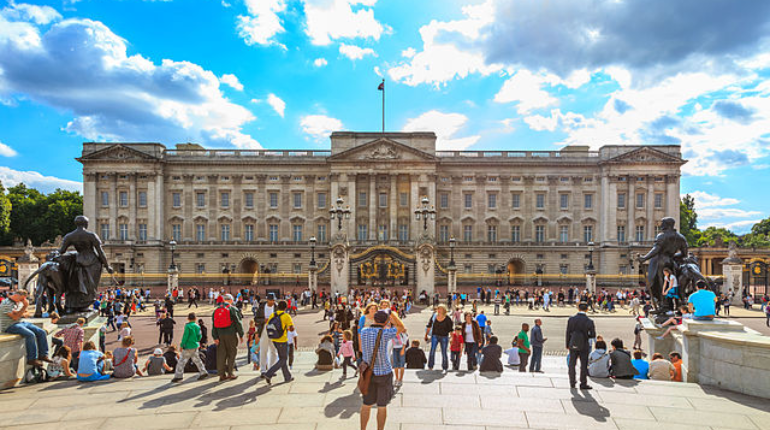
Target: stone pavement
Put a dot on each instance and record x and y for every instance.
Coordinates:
(428, 400)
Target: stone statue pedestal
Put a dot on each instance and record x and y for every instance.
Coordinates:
(426, 269)
(312, 279)
(173, 280)
(71, 318)
(25, 270)
(340, 267)
(733, 280)
(451, 279)
(591, 281)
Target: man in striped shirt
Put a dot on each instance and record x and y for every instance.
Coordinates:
(73, 337)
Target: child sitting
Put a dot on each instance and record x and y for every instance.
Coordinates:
(415, 357)
(156, 364)
(107, 362)
(325, 353)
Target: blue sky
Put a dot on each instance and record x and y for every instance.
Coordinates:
(491, 74)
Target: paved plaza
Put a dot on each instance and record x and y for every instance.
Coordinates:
(427, 400)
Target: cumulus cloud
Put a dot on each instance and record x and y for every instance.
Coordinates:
(704, 199)
(7, 151)
(714, 210)
(10, 177)
(278, 105)
(329, 20)
(320, 127)
(446, 126)
(320, 62)
(355, 52)
(262, 23)
(81, 66)
(231, 81)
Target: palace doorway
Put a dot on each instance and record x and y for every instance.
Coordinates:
(516, 271)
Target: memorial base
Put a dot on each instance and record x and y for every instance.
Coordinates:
(73, 317)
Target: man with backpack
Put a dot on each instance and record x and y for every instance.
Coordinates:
(226, 333)
(276, 329)
(268, 356)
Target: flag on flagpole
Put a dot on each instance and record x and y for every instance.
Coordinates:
(382, 86)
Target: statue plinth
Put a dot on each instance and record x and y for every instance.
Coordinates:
(71, 318)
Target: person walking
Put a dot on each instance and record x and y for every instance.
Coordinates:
(226, 332)
(537, 340)
(277, 329)
(190, 344)
(374, 346)
(437, 331)
(580, 329)
(166, 326)
(268, 356)
(472, 340)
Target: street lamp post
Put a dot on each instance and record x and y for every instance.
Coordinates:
(452, 244)
(339, 212)
(590, 256)
(312, 251)
(425, 212)
(172, 245)
(590, 271)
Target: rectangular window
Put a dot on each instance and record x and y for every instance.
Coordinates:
(588, 233)
(224, 232)
(639, 200)
(564, 201)
(123, 199)
(142, 232)
(297, 200)
(563, 269)
(492, 233)
(176, 200)
(105, 199)
(403, 232)
(403, 200)
(515, 233)
(658, 200)
(297, 268)
(516, 201)
(588, 201)
(248, 232)
(467, 233)
(123, 230)
(468, 200)
(621, 200)
(492, 201)
(468, 268)
(564, 233)
(321, 200)
(248, 200)
(540, 201)
(621, 233)
(382, 232)
(200, 232)
(443, 233)
(640, 233)
(362, 202)
(176, 232)
(444, 200)
(297, 232)
(142, 199)
(539, 233)
(273, 233)
(224, 200)
(200, 200)
(273, 200)
(383, 200)
(105, 231)
(200, 268)
(321, 233)
(362, 232)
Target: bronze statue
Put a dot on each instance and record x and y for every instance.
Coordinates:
(50, 281)
(669, 249)
(82, 269)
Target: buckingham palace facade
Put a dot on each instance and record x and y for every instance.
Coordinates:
(249, 213)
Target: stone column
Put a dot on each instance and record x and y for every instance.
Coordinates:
(425, 269)
(152, 228)
(160, 201)
(312, 278)
(393, 234)
(90, 199)
(732, 269)
(133, 232)
(351, 200)
(173, 280)
(373, 203)
(27, 264)
(415, 229)
(591, 281)
(451, 279)
(114, 201)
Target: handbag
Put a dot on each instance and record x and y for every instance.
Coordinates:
(366, 370)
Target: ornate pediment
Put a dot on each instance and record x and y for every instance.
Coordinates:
(118, 152)
(645, 155)
(382, 150)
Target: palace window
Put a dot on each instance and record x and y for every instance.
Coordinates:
(297, 232)
(176, 200)
(403, 200)
(200, 268)
(563, 269)
(564, 201)
(362, 202)
(273, 232)
(224, 200)
(588, 233)
(248, 199)
(105, 231)
(297, 198)
(200, 199)
(273, 200)
(382, 232)
(468, 198)
(321, 200)
(176, 232)
(383, 200)
(467, 233)
(142, 199)
(297, 268)
(492, 233)
(403, 232)
(564, 233)
(123, 231)
(640, 233)
(621, 200)
(640, 200)
(142, 232)
(516, 200)
(224, 232)
(105, 199)
(443, 233)
(492, 201)
(588, 201)
(200, 232)
(621, 233)
(467, 268)
(362, 232)
(444, 200)
(539, 233)
(248, 232)
(515, 233)
(123, 199)
(658, 200)
(540, 201)
(321, 233)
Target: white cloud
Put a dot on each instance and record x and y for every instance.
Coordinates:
(10, 177)
(278, 105)
(738, 227)
(446, 126)
(706, 200)
(441, 60)
(408, 52)
(320, 127)
(712, 211)
(320, 62)
(41, 15)
(6, 151)
(263, 23)
(81, 66)
(232, 81)
(355, 52)
(329, 20)
(525, 88)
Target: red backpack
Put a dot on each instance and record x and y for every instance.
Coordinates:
(222, 318)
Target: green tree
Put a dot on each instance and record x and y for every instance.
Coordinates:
(762, 228)
(688, 220)
(40, 217)
(709, 236)
(5, 212)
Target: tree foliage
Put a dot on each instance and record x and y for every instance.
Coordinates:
(5, 212)
(688, 220)
(40, 217)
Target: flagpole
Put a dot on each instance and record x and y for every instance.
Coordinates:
(383, 106)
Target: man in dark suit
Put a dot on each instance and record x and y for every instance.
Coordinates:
(580, 329)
